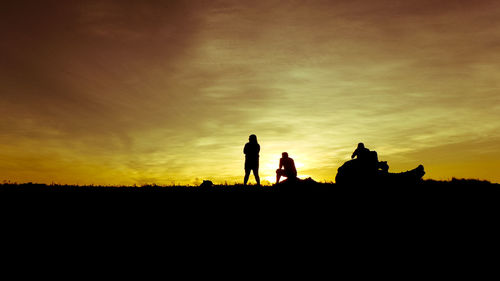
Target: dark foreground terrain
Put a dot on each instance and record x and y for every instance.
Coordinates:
(301, 187)
(435, 203)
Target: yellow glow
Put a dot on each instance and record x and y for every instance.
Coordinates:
(136, 92)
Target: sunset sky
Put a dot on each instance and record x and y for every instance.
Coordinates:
(133, 92)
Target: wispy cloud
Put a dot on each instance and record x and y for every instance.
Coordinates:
(127, 91)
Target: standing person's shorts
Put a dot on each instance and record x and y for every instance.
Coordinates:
(252, 164)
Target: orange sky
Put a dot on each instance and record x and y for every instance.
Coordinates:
(124, 92)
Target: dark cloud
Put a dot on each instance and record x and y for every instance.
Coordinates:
(66, 62)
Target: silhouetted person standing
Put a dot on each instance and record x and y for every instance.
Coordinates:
(361, 152)
(287, 168)
(251, 150)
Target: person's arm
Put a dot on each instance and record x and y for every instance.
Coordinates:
(281, 163)
(245, 150)
(354, 154)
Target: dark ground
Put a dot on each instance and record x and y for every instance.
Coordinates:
(455, 185)
(429, 213)
(436, 202)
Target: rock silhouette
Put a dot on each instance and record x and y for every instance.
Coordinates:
(368, 170)
(298, 185)
(207, 184)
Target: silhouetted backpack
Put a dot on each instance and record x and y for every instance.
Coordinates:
(370, 161)
(373, 157)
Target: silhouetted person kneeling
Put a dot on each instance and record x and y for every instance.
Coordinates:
(361, 152)
(251, 150)
(287, 168)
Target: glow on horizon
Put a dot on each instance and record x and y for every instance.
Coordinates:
(126, 92)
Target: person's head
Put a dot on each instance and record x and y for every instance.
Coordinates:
(284, 155)
(361, 145)
(252, 138)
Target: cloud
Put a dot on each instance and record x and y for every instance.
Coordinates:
(169, 90)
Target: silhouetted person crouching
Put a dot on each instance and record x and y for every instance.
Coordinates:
(361, 152)
(367, 159)
(287, 168)
(251, 150)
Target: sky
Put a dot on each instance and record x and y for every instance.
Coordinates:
(137, 92)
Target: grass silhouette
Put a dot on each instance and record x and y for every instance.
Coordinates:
(307, 185)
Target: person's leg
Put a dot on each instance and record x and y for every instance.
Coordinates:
(256, 175)
(278, 175)
(247, 175)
